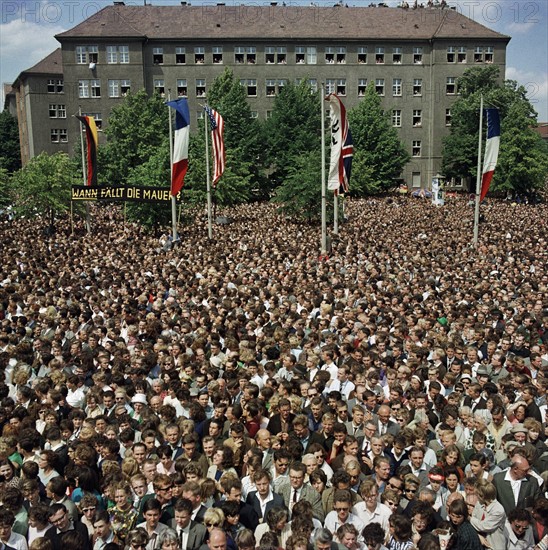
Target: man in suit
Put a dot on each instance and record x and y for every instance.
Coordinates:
(264, 443)
(302, 433)
(232, 488)
(192, 492)
(281, 422)
(504, 482)
(263, 499)
(356, 425)
(474, 400)
(384, 424)
(191, 535)
(296, 490)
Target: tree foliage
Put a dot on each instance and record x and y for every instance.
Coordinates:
(300, 193)
(292, 130)
(10, 152)
(523, 157)
(43, 185)
(379, 155)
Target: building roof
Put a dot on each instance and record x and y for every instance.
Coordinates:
(542, 130)
(51, 64)
(277, 22)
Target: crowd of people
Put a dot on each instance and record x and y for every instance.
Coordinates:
(249, 392)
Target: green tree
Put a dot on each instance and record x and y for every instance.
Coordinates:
(291, 131)
(136, 129)
(5, 188)
(42, 186)
(10, 152)
(300, 193)
(379, 155)
(523, 157)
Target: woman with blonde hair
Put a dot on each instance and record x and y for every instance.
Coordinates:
(488, 517)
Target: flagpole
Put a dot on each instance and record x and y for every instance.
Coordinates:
(208, 181)
(336, 212)
(84, 171)
(478, 177)
(324, 207)
(173, 199)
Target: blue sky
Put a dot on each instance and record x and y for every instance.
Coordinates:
(27, 29)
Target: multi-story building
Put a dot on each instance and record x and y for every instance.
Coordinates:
(413, 57)
(41, 108)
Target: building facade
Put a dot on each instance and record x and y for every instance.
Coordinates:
(413, 57)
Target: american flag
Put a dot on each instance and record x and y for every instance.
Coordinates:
(217, 128)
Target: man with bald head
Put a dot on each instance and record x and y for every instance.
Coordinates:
(384, 424)
(516, 488)
(217, 539)
(263, 438)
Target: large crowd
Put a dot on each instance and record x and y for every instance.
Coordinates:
(249, 392)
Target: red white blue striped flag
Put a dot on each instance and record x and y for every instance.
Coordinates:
(491, 150)
(217, 125)
(180, 144)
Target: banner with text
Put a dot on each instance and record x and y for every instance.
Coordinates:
(122, 193)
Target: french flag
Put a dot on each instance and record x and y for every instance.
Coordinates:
(180, 144)
(491, 150)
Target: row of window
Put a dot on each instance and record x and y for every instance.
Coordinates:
(120, 88)
(416, 119)
(278, 55)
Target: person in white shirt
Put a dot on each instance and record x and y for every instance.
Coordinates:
(371, 510)
(341, 513)
(7, 536)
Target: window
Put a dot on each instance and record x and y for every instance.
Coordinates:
(396, 87)
(254, 114)
(95, 88)
(396, 118)
(417, 118)
(362, 86)
(448, 117)
(117, 88)
(417, 87)
(83, 89)
(330, 84)
(341, 55)
(415, 179)
(276, 55)
(281, 83)
(55, 86)
(87, 54)
(217, 55)
(159, 87)
(417, 56)
(270, 87)
(305, 55)
(199, 55)
(362, 55)
(313, 83)
(117, 54)
(461, 55)
(268, 114)
(341, 86)
(451, 85)
(113, 88)
(97, 117)
(245, 55)
(451, 54)
(329, 55)
(180, 56)
(251, 86)
(397, 55)
(489, 52)
(379, 86)
(125, 87)
(478, 55)
(57, 111)
(59, 135)
(157, 56)
(379, 55)
(416, 150)
(200, 87)
(200, 114)
(182, 90)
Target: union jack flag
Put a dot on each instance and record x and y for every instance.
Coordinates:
(217, 125)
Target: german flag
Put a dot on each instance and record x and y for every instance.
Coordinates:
(91, 140)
